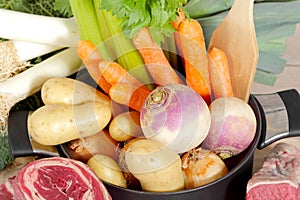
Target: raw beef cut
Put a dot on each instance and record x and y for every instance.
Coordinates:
(279, 176)
(56, 179)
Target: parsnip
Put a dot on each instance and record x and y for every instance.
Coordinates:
(59, 123)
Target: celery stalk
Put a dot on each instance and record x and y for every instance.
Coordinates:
(87, 22)
(123, 49)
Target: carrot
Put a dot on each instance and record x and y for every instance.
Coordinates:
(114, 73)
(156, 62)
(192, 45)
(91, 57)
(129, 95)
(219, 73)
(179, 18)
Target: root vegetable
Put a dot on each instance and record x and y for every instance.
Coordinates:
(132, 181)
(59, 123)
(70, 91)
(175, 116)
(101, 143)
(233, 127)
(125, 126)
(157, 168)
(107, 170)
(201, 167)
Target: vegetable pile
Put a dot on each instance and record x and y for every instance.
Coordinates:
(156, 126)
(158, 96)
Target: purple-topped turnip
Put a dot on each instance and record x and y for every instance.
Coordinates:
(175, 116)
(233, 127)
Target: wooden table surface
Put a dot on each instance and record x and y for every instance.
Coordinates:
(288, 79)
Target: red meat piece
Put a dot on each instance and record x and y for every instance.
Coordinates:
(56, 179)
(279, 176)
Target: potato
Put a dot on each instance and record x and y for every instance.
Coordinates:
(125, 126)
(107, 170)
(59, 123)
(132, 181)
(70, 91)
(101, 143)
(157, 168)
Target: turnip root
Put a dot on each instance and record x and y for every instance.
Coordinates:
(157, 168)
(233, 127)
(201, 167)
(175, 116)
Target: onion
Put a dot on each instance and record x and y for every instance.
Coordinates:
(233, 127)
(175, 116)
(200, 167)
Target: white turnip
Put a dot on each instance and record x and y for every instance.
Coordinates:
(233, 127)
(175, 116)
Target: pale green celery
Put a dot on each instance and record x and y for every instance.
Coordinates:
(123, 49)
(87, 23)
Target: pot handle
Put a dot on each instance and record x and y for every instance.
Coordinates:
(280, 113)
(20, 143)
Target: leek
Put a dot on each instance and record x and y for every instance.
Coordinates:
(204, 8)
(27, 83)
(37, 28)
(15, 56)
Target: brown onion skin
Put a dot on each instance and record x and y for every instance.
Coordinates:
(101, 143)
(201, 167)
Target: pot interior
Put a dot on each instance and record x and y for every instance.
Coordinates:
(237, 166)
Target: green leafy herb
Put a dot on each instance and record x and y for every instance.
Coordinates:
(5, 154)
(136, 14)
(63, 6)
(56, 8)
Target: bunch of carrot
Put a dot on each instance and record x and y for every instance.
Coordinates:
(206, 72)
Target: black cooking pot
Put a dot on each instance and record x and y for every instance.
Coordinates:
(278, 116)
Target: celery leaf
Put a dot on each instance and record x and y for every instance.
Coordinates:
(137, 14)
